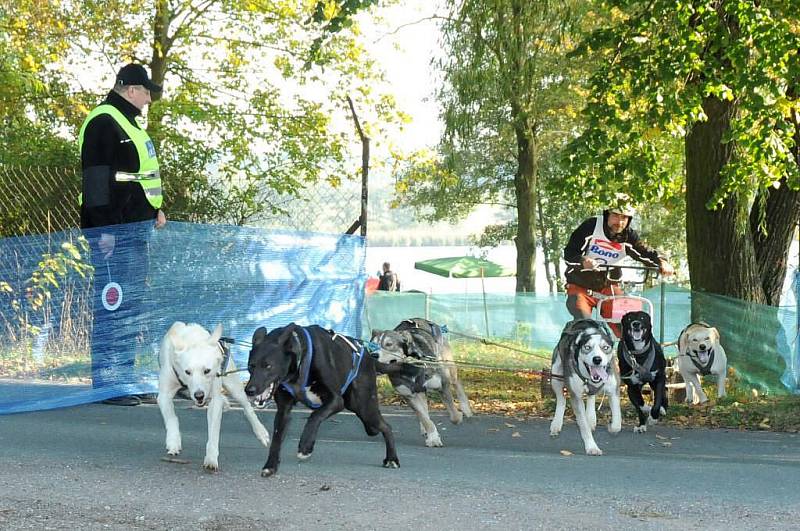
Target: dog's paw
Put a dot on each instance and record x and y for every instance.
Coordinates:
(457, 418)
(662, 411)
(593, 450)
(173, 450)
(640, 429)
(651, 421)
(262, 435)
(391, 463)
(302, 457)
(615, 427)
(433, 441)
(555, 428)
(211, 465)
(267, 472)
(174, 445)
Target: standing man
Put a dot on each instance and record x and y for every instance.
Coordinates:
(604, 240)
(121, 185)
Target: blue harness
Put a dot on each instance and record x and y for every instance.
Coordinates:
(305, 370)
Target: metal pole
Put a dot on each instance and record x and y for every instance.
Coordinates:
(797, 305)
(485, 311)
(661, 317)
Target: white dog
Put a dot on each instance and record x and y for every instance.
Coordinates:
(699, 353)
(583, 361)
(193, 358)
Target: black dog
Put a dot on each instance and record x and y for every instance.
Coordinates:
(641, 361)
(326, 371)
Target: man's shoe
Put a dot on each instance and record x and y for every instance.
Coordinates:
(148, 398)
(131, 400)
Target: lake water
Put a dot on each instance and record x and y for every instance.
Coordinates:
(402, 260)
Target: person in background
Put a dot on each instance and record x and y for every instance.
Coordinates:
(388, 280)
(121, 184)
(604, 240)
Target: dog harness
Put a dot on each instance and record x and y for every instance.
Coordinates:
(705, 370)
(299, 390)
(643, 370)
(591, 387)
(436, 332)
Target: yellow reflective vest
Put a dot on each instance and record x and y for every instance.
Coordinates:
(148, 175)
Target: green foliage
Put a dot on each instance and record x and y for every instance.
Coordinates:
(253, 102)
(658, 63)
(30, 301)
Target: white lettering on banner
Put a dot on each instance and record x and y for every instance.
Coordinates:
(603, 252)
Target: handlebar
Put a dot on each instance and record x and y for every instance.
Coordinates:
(640, 268)
(648, 270)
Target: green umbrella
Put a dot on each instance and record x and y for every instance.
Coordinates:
(463, 267)
(466, 267)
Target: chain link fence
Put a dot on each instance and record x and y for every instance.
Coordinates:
(39, 200)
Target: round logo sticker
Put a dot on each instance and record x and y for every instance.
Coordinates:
(111, 296)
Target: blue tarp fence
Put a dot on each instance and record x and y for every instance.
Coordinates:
(81, 321)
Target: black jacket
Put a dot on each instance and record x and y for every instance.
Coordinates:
(579, 242)
(106, 144)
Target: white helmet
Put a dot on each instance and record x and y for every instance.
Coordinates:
(623, 205)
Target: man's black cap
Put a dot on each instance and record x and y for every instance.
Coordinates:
(133, 74)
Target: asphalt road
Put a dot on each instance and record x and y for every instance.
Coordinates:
(100, 467)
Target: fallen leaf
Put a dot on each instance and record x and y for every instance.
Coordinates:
(666, 444)
(516, 434)
(565, 453)
(178, 460)
(661, 437)
(510, 425)
(493, 429)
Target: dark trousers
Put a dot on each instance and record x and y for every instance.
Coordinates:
(117, 332)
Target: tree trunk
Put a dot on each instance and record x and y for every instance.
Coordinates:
(725, 258)
(525, 185)
(781, 217)
(782, 213)
(161, 45)
(721, 254)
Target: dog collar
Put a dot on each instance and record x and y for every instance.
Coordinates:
(298, 389)
(178, 377)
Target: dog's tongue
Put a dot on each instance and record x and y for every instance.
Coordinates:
(703, 356)
(598, 373)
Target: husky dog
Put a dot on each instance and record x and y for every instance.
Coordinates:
(699, 353)
(401, 352)
(583, 362)
(193, 358)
